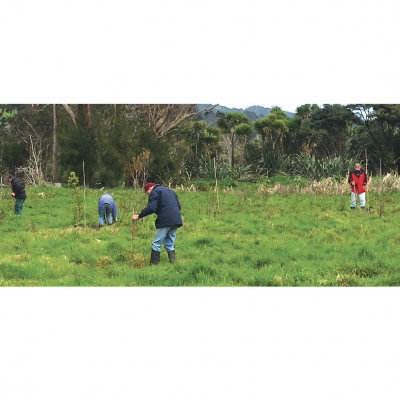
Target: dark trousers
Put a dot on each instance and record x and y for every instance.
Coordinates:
(18, 206)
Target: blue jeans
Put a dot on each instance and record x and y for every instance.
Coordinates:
(105, 211)
(165, 235)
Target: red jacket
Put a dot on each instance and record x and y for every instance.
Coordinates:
(360, 178)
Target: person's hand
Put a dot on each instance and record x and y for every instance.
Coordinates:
(353, 183)
(135, 217)
(13, 194)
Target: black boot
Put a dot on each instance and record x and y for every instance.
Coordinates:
(155, 257)
(171, 256)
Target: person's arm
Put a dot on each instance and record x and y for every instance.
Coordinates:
(13, 186)
(151, 206)
(351, 180)
(99, 203)
(17, 187)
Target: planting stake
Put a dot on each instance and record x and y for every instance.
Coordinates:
(216, 184)
(84, 194)
(366, 171)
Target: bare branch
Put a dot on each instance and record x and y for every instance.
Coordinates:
(70, 112)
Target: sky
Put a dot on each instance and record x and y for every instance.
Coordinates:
(284, 53)
(238, 61)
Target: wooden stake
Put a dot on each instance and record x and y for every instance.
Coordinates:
(84, 194)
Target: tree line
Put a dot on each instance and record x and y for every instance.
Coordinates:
(108, 144)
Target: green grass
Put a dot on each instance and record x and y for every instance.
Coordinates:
(238, 238)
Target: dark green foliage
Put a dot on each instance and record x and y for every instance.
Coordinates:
(13, 152)
(167, 160)
(332, 123)
(26, 136)
(378, 135)
(97, 141)
(78, 152)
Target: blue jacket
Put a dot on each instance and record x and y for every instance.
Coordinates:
(164, 202)
(107, 198)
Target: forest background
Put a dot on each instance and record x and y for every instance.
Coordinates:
(108, 145)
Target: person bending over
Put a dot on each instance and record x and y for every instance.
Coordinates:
(107, 209)
(164, 202)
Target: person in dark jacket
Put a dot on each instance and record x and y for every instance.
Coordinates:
(18, 192)
(164, 202)
(358, 180)
(107, 209)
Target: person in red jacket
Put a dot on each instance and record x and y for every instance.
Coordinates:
(358, 180)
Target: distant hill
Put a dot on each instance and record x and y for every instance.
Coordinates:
(253, 112)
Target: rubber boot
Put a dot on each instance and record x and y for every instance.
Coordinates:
(155, 257)
(171, 255)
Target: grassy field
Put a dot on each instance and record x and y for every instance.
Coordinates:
(249, 235)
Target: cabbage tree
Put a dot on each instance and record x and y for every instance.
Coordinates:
(228, 123)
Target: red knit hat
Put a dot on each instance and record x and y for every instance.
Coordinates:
(148, 185)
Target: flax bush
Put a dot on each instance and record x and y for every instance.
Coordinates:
(310, 167)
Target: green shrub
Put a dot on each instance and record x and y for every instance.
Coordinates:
(73, 180)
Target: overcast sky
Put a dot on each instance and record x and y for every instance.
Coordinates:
(159, 52)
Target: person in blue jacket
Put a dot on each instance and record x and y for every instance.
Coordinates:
(107, 209)
(18, 192)
(164, 202)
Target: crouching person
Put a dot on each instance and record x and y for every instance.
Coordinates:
(107, 209)
(164, 202)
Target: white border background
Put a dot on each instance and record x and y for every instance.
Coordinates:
(199, 343)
